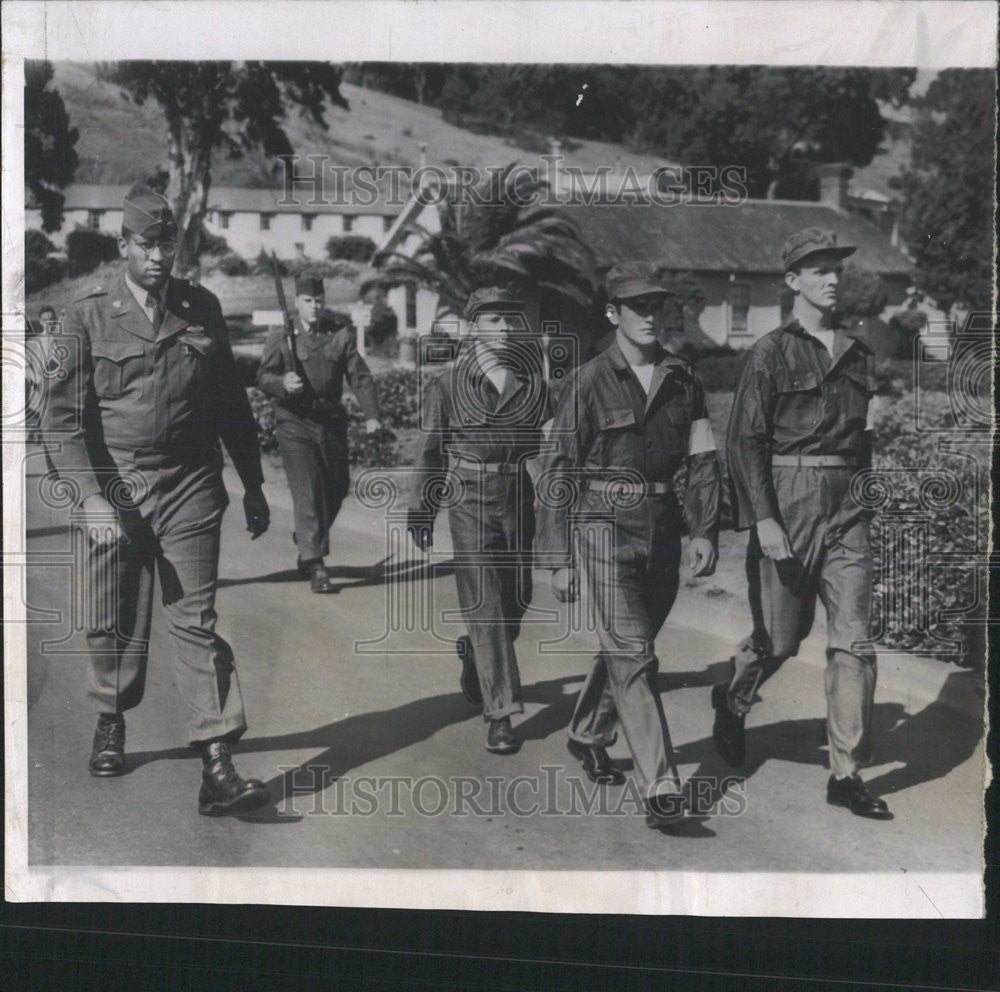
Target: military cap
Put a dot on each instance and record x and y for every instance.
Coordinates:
(306, 285)
(492, 298)
(146, 213)
(630, 279)
(809, 241)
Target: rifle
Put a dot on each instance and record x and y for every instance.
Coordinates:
(307, 398)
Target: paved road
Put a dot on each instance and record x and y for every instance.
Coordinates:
(354, 746)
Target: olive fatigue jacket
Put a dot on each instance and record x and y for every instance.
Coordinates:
(794, 398)
(463, 414)
(607, 423)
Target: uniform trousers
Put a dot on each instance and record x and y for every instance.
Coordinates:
(172, 529)
(492, 526)
(829, 537)
(316, 465)
(629, 571)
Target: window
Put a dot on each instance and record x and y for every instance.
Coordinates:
(94, 219)
(265, 222)
(307, 222)
(348, 225)
(224, 216)
(386, 224)
(411, 305)
(739, 308)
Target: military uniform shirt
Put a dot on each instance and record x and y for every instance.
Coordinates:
(794, 398)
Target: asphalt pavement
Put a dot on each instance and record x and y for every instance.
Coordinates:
(375, 760)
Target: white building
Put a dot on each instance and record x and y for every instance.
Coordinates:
(251, 220)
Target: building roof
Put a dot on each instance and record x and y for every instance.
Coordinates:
(238, 200)
(745, 237)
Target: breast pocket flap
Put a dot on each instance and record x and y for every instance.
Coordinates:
(615, 419)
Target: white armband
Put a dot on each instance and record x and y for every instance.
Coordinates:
(701, 438)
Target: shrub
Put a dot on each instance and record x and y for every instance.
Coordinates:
(398, 394)
(378, 450)
(212, 244)
(86, 249)
(383, 324)
(40, 270)
(262, 406)
(720, 372)
(262, 265)
(954, 524)
(246, 367)
(905, 326)
(351, 248)
(232, 264)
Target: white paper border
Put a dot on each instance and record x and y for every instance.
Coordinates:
(924, 34)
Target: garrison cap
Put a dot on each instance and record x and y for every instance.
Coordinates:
(306, 285)
(146, 213)
(630, 279)
(809, 241)
(492, 298)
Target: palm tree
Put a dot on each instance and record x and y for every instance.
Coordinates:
(493, 235)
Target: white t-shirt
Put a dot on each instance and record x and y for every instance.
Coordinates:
(644, 373)
(825, 338)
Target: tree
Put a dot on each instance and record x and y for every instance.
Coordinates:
(50, 157)
(229, 106)
(947, 219)
(495, 236)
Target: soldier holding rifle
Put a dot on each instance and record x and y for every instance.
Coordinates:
(304, 366)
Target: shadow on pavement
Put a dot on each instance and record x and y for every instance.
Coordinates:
(930, 743)
(379, 574)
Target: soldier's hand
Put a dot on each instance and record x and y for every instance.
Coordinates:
(773, 539)
(372, 425)
(257, 512)
(292, 383)
(702, 556)
(564, 585)
(420, 527)
(103, 527)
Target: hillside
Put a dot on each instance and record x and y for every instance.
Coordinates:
(120, 142)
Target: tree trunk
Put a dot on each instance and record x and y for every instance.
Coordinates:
(187, 191)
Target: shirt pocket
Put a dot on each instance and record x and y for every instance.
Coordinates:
(858, 389)
(800, 401)
(616, 442)
(117, 366)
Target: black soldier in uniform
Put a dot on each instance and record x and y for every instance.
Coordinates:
(798, 432)
(482, 421)
(144, 401)
(310, 420)
(629, 419)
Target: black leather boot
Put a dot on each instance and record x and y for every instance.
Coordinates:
(223, 792)
(107, 758)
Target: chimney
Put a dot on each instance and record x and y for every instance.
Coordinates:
(833, 180)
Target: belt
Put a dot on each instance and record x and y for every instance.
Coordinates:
(629, 488)
(493, 468)
(814, 461)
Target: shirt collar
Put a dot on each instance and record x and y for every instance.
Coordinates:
(856, 334)
(141, 295)
(618, 360)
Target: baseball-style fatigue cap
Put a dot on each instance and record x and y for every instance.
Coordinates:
(492, 298)
(627, 280)
(809, 241)
(146, 213)
(306, 285)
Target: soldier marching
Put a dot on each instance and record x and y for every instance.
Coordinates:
(154, 391)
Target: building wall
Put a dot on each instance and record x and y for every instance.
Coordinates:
(246, 237)
(244, 233)
(764, 313)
